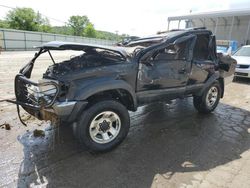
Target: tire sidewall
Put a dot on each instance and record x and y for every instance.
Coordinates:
(89, 114)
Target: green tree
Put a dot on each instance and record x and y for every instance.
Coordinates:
(108, 35)
(90, 31)
(78, 24)
(4, 24)
(43, 23)
(64, 30)
(27, 19)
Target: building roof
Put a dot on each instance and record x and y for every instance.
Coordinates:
(212, 14)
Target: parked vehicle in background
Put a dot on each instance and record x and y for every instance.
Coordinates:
(242, 55)
(227, 46)
(94, 91)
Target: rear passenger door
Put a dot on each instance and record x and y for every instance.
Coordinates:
(204, 59)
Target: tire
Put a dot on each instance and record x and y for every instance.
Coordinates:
(103, 126)
(207, 102)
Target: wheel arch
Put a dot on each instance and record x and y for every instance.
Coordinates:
(222, 85)
(109, 89)
(210, 80)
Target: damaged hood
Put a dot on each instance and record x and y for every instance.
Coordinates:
(58, 45)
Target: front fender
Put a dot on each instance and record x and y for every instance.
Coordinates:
(105, 85)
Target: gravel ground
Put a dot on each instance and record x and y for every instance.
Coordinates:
(169, 145)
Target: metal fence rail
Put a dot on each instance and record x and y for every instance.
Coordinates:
(11, 39)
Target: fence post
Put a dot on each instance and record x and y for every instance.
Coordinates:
(25, 41)
(4, 41)
(41, 38)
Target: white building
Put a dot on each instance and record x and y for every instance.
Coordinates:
(226, 25)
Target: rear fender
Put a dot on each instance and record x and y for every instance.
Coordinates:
(208, 83)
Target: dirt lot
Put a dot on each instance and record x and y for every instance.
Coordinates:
(169, 145)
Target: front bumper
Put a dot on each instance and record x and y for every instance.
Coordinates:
(44, 104)
(67, 111)
(63, 108)
(240, 72)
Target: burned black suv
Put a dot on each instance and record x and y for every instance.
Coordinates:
(94, 91)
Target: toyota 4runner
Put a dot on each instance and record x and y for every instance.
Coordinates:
(95, 90)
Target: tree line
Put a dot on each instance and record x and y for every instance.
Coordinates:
(28, 19)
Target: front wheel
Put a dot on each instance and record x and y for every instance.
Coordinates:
(103, 126)
(209, 100)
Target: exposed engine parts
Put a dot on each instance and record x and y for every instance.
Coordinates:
(89, 59)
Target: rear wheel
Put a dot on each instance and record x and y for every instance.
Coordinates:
(103, 126)
(209, 100)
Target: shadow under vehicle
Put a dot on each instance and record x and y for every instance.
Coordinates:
(94, 91)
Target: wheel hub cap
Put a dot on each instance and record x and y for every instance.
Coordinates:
(212, 96)
(105, 127)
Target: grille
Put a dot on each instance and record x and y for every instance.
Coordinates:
(240, 74)
(243, 66)
(34, 94)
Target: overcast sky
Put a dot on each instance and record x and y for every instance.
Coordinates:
(128, 16)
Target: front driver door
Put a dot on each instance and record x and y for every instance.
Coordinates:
(163, 72)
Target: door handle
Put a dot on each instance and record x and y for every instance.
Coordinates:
(182, 71)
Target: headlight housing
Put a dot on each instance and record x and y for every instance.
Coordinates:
(49, 91)
(44, 93)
